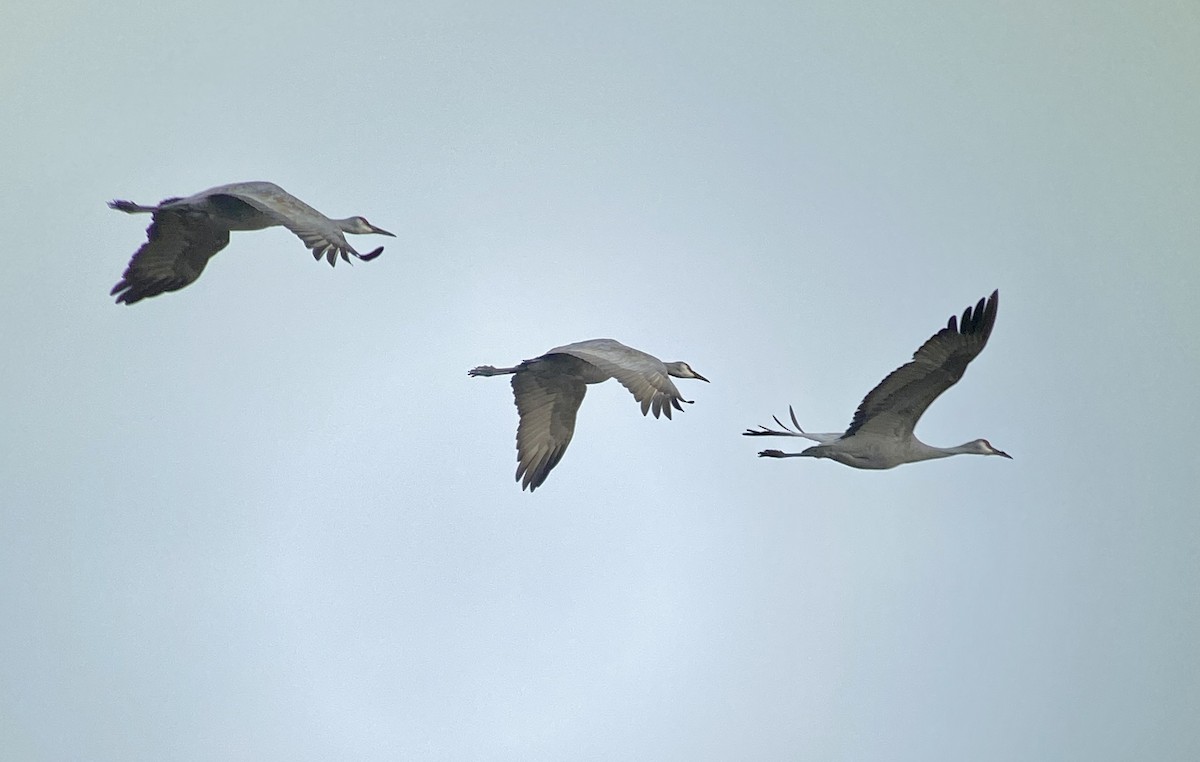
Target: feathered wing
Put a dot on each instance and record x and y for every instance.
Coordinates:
(547, 401)
(178, 246)
(644, 375)
(894, 406)
(317, 231)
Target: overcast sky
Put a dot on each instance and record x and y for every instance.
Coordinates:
(270, 517)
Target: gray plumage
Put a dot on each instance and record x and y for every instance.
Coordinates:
(881, 434)
(186, 232)
(549, 389)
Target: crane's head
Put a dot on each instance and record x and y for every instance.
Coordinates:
(361, 226)
(683, 370)
(984, 447)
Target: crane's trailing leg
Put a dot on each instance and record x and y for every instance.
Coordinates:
(131, 208)
(780, 454)
(489, 370)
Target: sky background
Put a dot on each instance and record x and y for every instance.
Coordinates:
(270, 517)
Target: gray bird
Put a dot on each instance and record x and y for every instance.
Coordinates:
(549, 389)
(186, 232)
(881, 434)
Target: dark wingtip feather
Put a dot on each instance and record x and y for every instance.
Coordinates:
(982, 318)
(978, 318)
(972, 318)
(128, 296)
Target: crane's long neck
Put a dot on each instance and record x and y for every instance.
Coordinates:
(923, 451)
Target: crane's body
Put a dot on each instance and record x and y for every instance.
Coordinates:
(881, 434)
(549, 389)
(186, 232)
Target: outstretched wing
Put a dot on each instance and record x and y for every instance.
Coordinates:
(318, 232)
(547, 400)
(644, 375)
(893, 407)
(178, 246)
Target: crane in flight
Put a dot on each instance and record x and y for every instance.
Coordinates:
(186, 232)
(881, 434)
(549, 389)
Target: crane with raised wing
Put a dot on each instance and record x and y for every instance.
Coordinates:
(881, 434)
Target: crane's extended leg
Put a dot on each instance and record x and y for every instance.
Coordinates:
(488, 370)
(780, 454)
(131, 208)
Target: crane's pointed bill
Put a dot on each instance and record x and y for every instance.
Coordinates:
(380, 231)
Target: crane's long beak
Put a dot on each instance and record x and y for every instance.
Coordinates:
(1003, 454)
(380, 231)
(700, 377)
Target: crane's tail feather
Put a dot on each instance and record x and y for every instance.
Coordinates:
(783, 431)
(795, 422)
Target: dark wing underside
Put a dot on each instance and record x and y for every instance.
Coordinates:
(177, 248)
(894, 406)
(547, 401)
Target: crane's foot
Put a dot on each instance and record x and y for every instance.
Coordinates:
(491, 370)
(772, 454)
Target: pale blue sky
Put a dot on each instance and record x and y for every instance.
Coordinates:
(270, 516)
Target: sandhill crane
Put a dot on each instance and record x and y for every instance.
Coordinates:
(881, 434)
(549, 389)
(186, 232)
